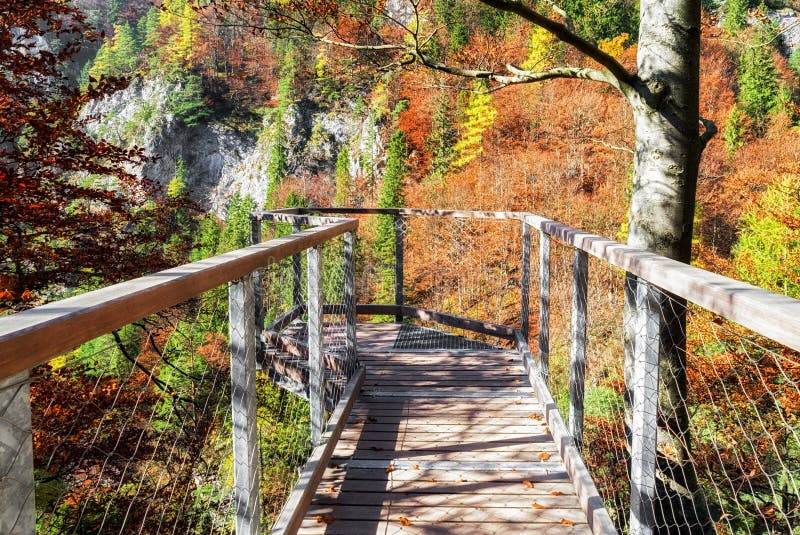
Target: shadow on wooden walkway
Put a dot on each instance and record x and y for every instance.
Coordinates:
(443, 441)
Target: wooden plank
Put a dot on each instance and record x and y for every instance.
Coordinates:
(313, 526)
(422, 456)
(476, 438)
(34, 336)
(534, 443)
(544, 306)
(293, 510)
(283, 321)
(483, 418)
(528, 515)
(418, 428)
(451, 320)
(450, 476)
(316, 366)
(407, 499)
(591, 501)
(336, 486)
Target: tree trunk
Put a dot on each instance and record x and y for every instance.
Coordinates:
(665, 106)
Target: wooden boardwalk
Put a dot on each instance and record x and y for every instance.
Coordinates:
(443, 441)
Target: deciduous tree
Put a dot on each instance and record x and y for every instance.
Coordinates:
(70, 211)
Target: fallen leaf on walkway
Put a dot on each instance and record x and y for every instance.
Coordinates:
(331, 489)
(390, 468)
(431, 480)
(415, 467)
(403, 520)
(376, 448)
(567, 522)
(557, 493)
(324, 519)
(537, 505)
(527, 484)
(544, 456)
(534, 416)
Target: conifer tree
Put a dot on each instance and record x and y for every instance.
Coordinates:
(343, 181)
(758, 80)
(442, 138)
(735, 16)
(391, 196)
(479, 115)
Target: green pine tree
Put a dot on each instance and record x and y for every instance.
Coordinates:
(391, 196)
(442, 138)
(734, 18)
(758, 80)
(344, 184)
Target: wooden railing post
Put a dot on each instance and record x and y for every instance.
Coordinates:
(246, 471)
(398, 264)
(17, 512)
(350, 296)
(525, 280)
(544, 305)
(297, 272)
(577, 362)
(258, 294)
(316, 369)
(644, 430)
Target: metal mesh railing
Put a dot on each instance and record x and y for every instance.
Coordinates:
(726, 441)
(131, 430)
(164, 425)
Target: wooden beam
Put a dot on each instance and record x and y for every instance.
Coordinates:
(482, 327)
(591, 502)
(281, 322)
(35, 336)
(303, 492)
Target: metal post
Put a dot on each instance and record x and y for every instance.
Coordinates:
(350, 297)
(243, 406)
(577, 363)
(316, 370)
(644, 423)
(17, 513)
(398, 264)
(297, 272)
(258, 295)
(525, 280)
(544, 305)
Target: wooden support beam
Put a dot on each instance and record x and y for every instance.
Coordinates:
(17, 512)
(297, 272)
(316, 367)
(399, 238)
(644, 418)
(258, 293)
(544, 305)
(246, 472)
(525, 280)
(577, 363)
(350, 297)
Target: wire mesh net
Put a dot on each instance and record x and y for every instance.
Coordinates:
(728, 457)
(131, 430)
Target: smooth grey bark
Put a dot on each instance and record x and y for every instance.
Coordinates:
(665, 107)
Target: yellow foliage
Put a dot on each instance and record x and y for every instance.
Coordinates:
(615, 46)
(540, 50)
(479, 115)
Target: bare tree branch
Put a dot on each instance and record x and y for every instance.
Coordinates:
(564, 34)
(710, 131)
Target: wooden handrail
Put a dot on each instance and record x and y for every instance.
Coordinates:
(33, 337)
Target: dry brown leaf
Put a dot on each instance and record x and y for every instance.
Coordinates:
(376, 448)
(534, 416)
(567, 522)
(537, 505)
(324, 519)
(547, 430)
(557, 493)
(431, 480)
(527, 484)
(544, 456)
(415, 467)
(403, 520)
(390, 468)
(331, 489)
(359, 421)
